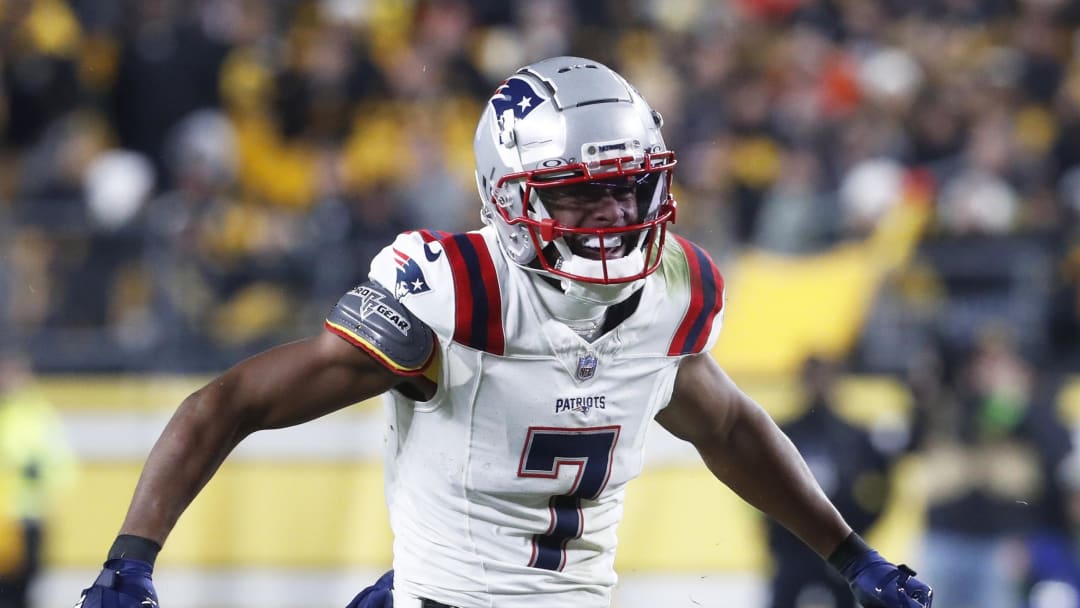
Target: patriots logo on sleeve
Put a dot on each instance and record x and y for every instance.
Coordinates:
(518, 95)
(410, 279)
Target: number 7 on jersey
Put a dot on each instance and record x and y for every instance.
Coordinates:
(547, 449)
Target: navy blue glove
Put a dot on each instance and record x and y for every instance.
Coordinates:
(877, 582)
(379, 595)
(123, 583)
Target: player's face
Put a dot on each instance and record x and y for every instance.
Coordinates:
(594, 205)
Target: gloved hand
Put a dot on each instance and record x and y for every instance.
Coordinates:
(379, 595)
(877, 582)
(123, 583)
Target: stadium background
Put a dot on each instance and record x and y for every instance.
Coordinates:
(185, 183)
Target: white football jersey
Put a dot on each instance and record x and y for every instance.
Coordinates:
(506, 488)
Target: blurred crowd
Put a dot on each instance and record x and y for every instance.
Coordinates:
(186, 182)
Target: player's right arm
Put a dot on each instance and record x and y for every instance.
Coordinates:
(282, 387)
(366, 350)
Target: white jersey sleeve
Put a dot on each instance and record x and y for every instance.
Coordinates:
(415, 269)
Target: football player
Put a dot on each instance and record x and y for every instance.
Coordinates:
(523, 363)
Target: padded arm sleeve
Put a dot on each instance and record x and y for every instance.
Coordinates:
(371, 318)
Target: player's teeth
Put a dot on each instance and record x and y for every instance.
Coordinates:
(593, 242)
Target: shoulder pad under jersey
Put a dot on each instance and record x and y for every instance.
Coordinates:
(415, 269)
(450, 281)
(371, 318)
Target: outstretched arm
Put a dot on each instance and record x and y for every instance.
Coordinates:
(281, 387)
(746, 450)
(370, 346)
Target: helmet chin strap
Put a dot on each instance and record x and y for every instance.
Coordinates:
(594, 293)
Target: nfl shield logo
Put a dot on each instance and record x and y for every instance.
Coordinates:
(586, 366)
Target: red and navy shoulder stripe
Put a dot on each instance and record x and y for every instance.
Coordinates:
(706, 301)
(431, 235)
(478, 302)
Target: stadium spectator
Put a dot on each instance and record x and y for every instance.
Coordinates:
(993, 447)
(34, 453)
(852, 471)
(168, 65)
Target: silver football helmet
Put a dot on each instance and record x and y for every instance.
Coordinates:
(569, 124)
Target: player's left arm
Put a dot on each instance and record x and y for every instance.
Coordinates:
(745, 449)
